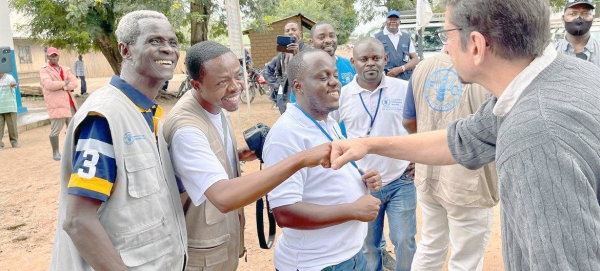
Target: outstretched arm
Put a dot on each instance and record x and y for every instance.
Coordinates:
(429, 148)
(308, 216)
(235, 193)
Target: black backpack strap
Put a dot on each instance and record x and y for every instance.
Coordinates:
(260, 227)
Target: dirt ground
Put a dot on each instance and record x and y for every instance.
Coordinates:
(29, 189)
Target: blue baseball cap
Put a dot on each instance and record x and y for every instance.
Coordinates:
(393, 13)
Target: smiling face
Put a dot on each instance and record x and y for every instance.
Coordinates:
(324, 38)
(155, 52)
(318, 88)
(392, 24)
(220, 85)
(369, 59)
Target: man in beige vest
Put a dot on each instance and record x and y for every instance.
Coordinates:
(119, 203)
(206, 160)
(456, 203)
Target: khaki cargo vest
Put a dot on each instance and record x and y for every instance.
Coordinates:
(440, 99)
(215, 240)
(143, 216)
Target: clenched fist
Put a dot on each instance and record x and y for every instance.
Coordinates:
(366, 208)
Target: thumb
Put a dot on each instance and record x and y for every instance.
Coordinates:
(339, 160)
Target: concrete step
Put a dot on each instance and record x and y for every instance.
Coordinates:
(33, 118)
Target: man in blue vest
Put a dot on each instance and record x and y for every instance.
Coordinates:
(402, 56)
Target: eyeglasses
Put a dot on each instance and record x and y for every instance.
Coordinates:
(442, 34)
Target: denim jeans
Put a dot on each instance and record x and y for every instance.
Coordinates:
(356, 263)
(399, 201)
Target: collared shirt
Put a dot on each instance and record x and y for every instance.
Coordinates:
(94, 165)
(591, 50)
(388, 121)
(395, 38)
(79, 70)
(513, 91)
(312, 249)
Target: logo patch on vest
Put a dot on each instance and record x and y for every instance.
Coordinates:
(442, 90)
(129, 138)
(346, 77)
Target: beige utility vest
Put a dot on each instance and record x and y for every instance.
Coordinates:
(143, 216)
(215, 240)
(440, 99)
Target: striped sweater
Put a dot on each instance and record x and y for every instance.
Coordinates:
(547, 151)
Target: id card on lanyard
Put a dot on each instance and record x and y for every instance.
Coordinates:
(372, 117)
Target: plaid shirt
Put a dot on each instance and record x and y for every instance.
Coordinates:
(79, 71)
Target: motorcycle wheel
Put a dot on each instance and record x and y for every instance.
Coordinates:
(251, 92)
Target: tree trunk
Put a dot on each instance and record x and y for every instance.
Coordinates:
(110, 49)
(200, 16)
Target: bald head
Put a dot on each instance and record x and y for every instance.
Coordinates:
(368, 43)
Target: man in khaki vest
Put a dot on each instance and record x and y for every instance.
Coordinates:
(456, 203)
(119, 203)
(206, 160)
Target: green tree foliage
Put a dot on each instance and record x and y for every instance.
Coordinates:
(85, 25)
(368, 9)
(339, 12)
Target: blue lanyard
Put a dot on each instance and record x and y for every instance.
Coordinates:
(376, 110)
(325, 133)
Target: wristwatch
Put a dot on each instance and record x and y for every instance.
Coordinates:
(403, 68)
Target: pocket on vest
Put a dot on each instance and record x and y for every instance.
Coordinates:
(205, 257)
(212, 214)
(148, 255)
(142, 176)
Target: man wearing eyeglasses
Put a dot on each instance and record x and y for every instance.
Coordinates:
(541, 128)
(578, 18)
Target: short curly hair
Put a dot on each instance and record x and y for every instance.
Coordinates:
(201, 53)
(128, 28)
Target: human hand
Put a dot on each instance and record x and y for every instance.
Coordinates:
(245, 154)
(372, 179)
(393, 72)
(293, 47)
(344, 151)
(13, 84)
(411, 170)
(318, 155)
(366, 208)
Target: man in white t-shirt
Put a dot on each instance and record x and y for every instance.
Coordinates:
(371, 105)
(206, 161)
(322, 212)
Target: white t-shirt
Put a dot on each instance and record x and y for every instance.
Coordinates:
(195, 165)
(308, 250)
(395, 38)
(388, 121)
